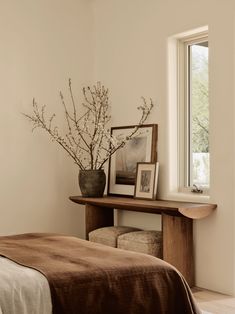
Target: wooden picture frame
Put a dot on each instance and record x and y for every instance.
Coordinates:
(146, 180)
(122, 164)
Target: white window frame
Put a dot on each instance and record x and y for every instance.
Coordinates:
(183, 110)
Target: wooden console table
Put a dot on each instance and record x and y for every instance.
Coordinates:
(177, 224)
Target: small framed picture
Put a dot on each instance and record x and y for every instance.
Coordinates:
(146, 180)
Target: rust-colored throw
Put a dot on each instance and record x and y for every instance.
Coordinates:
(90, 278)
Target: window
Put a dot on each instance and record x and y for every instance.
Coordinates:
(194, 112)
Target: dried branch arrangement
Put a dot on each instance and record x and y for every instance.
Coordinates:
(87, 140)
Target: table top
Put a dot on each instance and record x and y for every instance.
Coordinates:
(174, 208)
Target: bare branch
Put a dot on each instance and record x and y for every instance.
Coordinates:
(87, 140)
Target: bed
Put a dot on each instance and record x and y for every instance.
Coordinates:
(50, 273)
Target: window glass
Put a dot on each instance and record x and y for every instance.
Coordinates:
(198, 115)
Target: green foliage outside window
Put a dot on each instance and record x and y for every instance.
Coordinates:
(200, 100)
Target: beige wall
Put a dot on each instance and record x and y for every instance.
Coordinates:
(131, 57)
(43, 43)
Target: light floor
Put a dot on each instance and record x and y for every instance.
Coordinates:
(213, 302)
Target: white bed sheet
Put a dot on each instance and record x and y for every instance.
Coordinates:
(23, 290)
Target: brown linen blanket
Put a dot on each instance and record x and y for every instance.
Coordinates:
(90, 278)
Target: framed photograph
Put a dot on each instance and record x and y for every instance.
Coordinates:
(122, 164)
(146, 180)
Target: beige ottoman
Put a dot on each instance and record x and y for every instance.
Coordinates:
(148, 242)
(109, 235)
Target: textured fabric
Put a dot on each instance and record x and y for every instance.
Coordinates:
(148, 242)
(109, 235)
(89, 278)
(23, 290)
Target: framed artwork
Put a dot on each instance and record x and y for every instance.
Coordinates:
(146, 180)
(122, 164)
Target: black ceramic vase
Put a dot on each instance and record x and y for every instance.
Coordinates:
(92, 182)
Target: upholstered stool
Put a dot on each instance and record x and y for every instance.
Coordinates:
(109, 235)
(148, 242)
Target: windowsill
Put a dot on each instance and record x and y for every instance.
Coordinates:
(187, 197)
